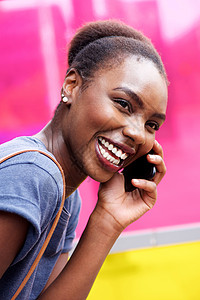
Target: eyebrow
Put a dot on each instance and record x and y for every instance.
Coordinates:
(131, 94)
(160, 116)
(138, 100)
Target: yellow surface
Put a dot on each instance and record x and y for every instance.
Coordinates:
(161, 273)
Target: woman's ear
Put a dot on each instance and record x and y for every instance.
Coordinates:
(71, 85)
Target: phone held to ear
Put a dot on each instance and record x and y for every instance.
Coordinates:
(139, 169)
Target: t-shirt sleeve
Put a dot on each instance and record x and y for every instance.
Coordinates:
(74, 206)
(29, 191)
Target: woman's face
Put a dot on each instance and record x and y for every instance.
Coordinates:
(114, 120)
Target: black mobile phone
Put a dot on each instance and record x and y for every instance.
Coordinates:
(141, 169)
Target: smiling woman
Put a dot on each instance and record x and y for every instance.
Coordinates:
(113, 114)
(113, 100)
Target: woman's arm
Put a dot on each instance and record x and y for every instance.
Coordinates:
(76, 279)
(115, 210)
(13, 231)
(59, 266)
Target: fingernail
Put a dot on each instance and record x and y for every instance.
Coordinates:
(135, 180)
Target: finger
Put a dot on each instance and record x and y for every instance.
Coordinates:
(146, 185)
(158, 161)
(148, 188)
(157, 148)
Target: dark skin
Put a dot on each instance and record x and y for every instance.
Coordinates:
(124, 105)
(13, 230)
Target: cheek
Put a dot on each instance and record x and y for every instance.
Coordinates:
(149, 141)
(87, 121)
(102, 118)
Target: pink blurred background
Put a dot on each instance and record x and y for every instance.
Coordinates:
(33, 38)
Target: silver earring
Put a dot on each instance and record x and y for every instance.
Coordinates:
(64, 98)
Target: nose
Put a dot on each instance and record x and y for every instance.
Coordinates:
(135, 130)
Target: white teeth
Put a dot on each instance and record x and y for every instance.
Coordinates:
(112, 159)
(105, 154)
(109, 157)
(124, 156)
(102, 150)
(116, 161)
(110, 147)
(113, 149)
(106, 144)
(119, 153)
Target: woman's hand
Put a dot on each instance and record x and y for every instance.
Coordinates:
(126, 207)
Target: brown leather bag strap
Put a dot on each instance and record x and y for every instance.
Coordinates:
(28, 275)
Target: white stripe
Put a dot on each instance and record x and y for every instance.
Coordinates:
(48, 46)
(157, 237)
(163, 236)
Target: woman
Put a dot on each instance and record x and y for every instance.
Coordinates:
(113, 100)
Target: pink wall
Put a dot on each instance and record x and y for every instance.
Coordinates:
(33, 64)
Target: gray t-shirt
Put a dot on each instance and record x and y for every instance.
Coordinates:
(31, 186)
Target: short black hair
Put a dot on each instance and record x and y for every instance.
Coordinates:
(103, 43)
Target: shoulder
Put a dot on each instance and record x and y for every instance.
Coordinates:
(19, 143)
(35, 155)
(31, 184)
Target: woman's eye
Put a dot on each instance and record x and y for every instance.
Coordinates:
(125, 104)
(153, 125)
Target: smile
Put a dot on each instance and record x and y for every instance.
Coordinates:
(111, 152)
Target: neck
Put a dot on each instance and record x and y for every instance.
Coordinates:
(53, 140)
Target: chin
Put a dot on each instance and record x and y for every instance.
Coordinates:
(101, 176)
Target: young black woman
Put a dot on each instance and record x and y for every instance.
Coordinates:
(113, 100)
